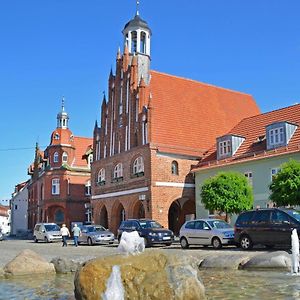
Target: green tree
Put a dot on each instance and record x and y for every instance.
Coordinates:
(228, 192)
(285, 187)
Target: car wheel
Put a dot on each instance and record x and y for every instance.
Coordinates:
(245, 242)
(46, 240)
(184, 243)
(35, 239)
(216, 243)
(90, 242)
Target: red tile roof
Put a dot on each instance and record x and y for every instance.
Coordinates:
(253, 129)
(81, 144)
(190, 114)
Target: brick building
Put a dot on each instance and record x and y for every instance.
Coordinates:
(154, 126)
(59, 189)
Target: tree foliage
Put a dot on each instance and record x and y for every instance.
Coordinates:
(285, 187)
(228, 192)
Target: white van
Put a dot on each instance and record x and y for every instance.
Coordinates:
(47, 232)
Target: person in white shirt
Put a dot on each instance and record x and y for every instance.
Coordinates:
(65, 233)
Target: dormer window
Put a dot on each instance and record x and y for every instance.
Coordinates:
(279, 134)
(227, 145)
(56, 136)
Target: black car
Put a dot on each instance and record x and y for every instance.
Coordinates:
(151, 231)
(269, 227)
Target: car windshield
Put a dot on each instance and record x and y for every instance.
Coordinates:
(52, 227)
(95, 228)
(218, 224)
(294, 213)
(150, 224)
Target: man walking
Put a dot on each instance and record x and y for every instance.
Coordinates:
(65, 233)
(76, 233)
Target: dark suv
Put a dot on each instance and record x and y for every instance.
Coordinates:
(269, 227)
(151, 231)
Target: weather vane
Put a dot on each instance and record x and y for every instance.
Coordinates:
(137, 7)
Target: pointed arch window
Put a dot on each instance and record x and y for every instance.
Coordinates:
(118, 171)
(55, 186)
(65, 157)
(101, 177)
(138, 166)
(174, 167)
(55, 157)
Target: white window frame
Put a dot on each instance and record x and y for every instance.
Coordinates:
(276, 136)
(88, 188)
(55, 157)
(138, 165)
(55, 189)
(101, 175)
(274, 171)
(64, 157)
(249, 176)
(118, 170)
(225, 147)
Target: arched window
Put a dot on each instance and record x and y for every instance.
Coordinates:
(88, 188)
(101, 176)
(174, 167)
(118, 171)
(133, 42)
(65, 157)
(143, 42)
(138, 165)
(55, 157)
(55, 186)
(56, 136)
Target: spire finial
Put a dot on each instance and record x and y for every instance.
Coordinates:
(63, 104)
(137, 7)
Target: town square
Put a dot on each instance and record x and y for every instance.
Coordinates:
(150, 150)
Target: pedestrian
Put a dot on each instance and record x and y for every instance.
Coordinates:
(76, 233)
(65, 233)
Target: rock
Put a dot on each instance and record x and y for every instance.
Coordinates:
(272, 260)
(1, 273)
(28, 263)
(149, 275)
(64, 265)
(231, 262)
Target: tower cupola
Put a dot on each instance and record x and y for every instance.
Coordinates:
(62, 116)
(137, 39)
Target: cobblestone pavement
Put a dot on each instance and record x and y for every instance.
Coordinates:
(10, 248)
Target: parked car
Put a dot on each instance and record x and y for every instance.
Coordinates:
(269, 227)
(150, 230)
(1, 236)
(95, 234)
(206, 232)
(47, 232)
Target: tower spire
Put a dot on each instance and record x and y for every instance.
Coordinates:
(62, 116)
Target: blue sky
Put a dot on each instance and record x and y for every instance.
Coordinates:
(56, 48)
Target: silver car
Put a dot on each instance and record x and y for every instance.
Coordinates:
(206, 232)
(95, 234)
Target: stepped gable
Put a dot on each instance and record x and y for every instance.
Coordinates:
(191, 114)
(253, 129)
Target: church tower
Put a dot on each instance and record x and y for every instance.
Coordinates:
(137, 39)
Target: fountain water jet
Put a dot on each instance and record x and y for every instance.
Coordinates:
(295, 253)
(114, 286)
